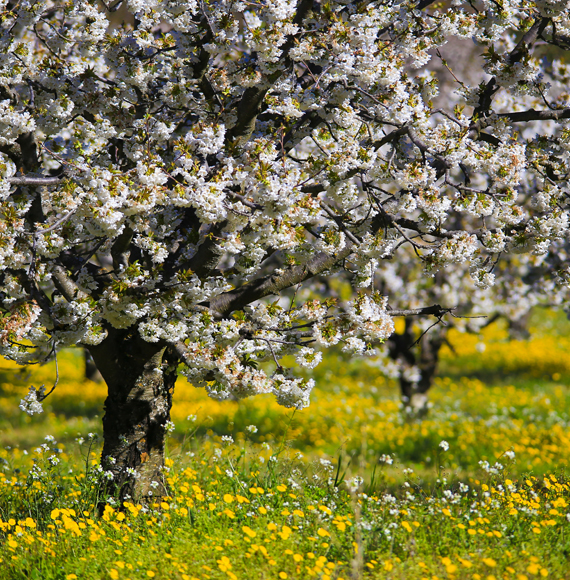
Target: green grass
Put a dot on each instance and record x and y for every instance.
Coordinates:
(348, 488)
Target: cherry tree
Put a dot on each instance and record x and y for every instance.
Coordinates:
(412, 355)
(169, 185)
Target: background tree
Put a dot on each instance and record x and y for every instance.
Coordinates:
(412, 355)
(161, 180)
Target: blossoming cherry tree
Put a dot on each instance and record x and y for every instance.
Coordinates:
(167, 185)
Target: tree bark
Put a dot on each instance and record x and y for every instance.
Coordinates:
(91, 371)
(140, 377)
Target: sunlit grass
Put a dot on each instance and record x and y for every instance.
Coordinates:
(349, 487)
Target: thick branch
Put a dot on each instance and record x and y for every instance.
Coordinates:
(526, 42)
(120, 251)
(390, 137)
(252, 99)
(66, 285)
(522, 48)
(182, 352)
(532, 115)
(208, 255)
(37, 181)
(275, 283)
(248, 109)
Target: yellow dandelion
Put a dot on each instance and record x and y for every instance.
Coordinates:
(248, 531)
(285, 532)
(407, 526)
(340, 526)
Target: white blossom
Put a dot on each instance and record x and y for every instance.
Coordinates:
(30, 403)
(239, 186)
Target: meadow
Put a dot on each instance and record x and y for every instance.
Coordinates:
(348, 488)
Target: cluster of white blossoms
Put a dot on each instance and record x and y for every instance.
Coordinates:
(182, 173)
(30, 404)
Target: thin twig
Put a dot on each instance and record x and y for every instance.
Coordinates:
(279, 367)
(338, 220)
(46, 395)
(55, 225)
(426, 331)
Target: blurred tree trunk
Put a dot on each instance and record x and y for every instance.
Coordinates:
(518, 328)
(424, 357)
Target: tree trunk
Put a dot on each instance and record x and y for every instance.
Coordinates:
(518, 327)
(415, 401)
(140, 377)
(91, 371)
(415, 393)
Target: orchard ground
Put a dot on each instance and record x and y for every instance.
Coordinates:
(347, 488)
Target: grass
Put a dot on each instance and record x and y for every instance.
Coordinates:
(347, 488)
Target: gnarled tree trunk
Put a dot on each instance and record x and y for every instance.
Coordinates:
(140, 377)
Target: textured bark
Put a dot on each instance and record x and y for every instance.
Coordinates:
(140, 377)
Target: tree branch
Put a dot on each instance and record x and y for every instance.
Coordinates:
(275, 283)
(66, 285)
(55, 225)
(435, 310)
(120, 250)
(250, 103)
(532, 115)
(37, 181)
(207, 257)
(518, 52)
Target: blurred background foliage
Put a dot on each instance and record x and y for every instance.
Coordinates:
(492, 394)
